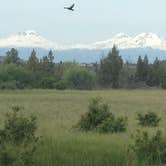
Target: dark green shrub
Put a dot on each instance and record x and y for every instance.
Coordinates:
(148, 119)
(120, 124)
(163, 82)
(113, 125)
(18, 140)
(14, 76)
(80, 78)
(97, 113)
(151, 149)
(47, 83)
(8, 85)
(100, 119)
(60, 85)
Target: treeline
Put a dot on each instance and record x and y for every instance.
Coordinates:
(111, 72)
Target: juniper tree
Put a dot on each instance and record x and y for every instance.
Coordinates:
(12, 57)
(110, 68)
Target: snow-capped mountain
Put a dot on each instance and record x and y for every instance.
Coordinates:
(32, 39)
(123, 41)
(130, 47)
(29, 39)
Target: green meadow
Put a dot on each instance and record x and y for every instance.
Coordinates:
(58, 111)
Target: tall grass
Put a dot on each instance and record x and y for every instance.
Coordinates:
(58, 111)
(76, 152)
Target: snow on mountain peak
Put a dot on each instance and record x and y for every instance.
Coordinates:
(148, 35)
(28, 38)
(123, 41)
(30, 32)
(149, 40)
(121, 35)
(33, 39)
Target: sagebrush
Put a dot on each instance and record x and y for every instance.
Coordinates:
(150, 148)
(148, 119)
(99, 118)
(18, 140)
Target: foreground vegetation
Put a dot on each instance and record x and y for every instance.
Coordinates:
(58, 111)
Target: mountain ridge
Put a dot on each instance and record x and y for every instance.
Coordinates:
(130, 47)
(31, 38)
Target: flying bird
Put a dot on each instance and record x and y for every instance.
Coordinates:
(70, 8)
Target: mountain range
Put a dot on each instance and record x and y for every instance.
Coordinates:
(130, 47)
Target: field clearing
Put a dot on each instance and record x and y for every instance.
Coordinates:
(59, 111)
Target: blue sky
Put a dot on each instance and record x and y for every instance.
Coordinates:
(92, 20)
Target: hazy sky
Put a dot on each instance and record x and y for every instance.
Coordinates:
(92, 20)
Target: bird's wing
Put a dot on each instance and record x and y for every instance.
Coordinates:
(72, 6)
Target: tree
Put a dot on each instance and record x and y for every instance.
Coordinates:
(110, 68)
(33, 61)
(60, 70)
(12, 57)
(153, 78)
(139, 69)
(145, 68)
(50, 56)
(142, 68)
(47, 64)
(127, 76)
(162, 74)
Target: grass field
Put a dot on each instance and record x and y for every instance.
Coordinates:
(58, 111)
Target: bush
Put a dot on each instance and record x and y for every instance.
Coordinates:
(149, 119)
(47, 83)
(61, 85)
(8, 85)
(113, 125)
(100, 119)
(151, 149)
(163, 82)
(13, 76)
(79, 78)
(97, 113)
(17, 139)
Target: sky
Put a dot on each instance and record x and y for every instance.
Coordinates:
(91, 21)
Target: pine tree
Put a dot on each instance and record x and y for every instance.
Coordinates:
(33, 61)
(139, 68)
(153, 78)
(12, 57)
(145, 69)
(156, 64)
(47, 64)
(142, 69)
(50, 56)
(110, 68)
